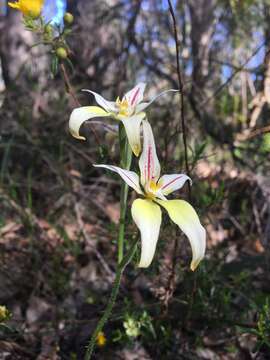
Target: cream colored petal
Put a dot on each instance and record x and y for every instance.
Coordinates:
(183, 214)
(142, 106)
(147, 216)
(130, 177)
(80, 115)
(109, 106)
(133, 130)
(148, 163)
(172, 182)
(135, 95)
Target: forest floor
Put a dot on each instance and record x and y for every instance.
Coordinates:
(58, 258)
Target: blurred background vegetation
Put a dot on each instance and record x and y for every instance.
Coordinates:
(59, 215)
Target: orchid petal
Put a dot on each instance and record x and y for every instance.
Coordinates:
(80, 115)
(183, 214)
(148, 163)
(107, 105)
(133, 130)
(130, 177)
(147, 216)
(142, 106)
(172, 182)
(135, 95)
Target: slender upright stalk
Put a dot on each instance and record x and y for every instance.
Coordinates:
(181, 88)
(126, 158)
(116, 285)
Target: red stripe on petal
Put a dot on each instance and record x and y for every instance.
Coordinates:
(128, 178)
(149, 158)
(135, 96)
(171, 182)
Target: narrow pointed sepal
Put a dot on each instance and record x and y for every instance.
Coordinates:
(130, 177)
(109, 106)
(172, 182)
(183, 214)
(147, 216)
(143, 105)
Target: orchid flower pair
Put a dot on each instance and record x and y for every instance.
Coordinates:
(129, 110)
(146, 211)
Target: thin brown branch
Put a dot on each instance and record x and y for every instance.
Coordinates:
(71, 92)
(90, 243)
(227, 82)
(249, 135)
(181, 89)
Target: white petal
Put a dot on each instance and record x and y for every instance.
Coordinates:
(142, 106)
(107, 105)
(133, 130)
(170, 183)
(183, 214)
(147, 216)
(130, 177)
(135, 96)
(148, 163)
(80, 115)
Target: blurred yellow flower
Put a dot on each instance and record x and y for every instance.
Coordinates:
(4, 313)
(29, 8)
(101, 339)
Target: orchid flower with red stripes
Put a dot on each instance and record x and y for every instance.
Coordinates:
(129, 110)
(146, 211)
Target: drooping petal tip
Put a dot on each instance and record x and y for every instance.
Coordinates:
(133, 130)
(183, 215)
(80, 115)
(147, 216)
(195, 264)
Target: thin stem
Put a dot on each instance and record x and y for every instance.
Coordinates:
(126, 158)
(71, 92)
(116, 285)
(181, 88)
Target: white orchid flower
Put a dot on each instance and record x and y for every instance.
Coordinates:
(129, 110)
(146, 212)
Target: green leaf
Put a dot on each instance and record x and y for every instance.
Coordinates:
(54, 65)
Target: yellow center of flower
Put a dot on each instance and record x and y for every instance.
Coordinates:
(123, 107)
(151, 189)
(29, 8)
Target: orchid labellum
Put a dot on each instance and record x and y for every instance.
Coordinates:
(146, 211)
(129, 110)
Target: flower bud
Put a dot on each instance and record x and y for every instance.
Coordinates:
(68, 18)
(61, 53)
(48, 29)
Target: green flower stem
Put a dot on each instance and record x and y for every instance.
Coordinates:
(116, 285)
(126, 158)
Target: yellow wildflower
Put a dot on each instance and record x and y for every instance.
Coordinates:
(101, 339)
(29, 8)
(4, 313)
